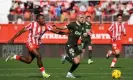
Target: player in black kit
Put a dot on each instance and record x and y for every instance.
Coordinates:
(86, 40)
(72, 51)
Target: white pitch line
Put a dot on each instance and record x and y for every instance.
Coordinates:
(63, 74)
(57, 73)
(116, 68)
(56, 68)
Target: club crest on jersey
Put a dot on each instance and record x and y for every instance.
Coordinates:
(78, 33)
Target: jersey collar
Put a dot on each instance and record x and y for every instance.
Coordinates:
(87, 23)
(78, 23)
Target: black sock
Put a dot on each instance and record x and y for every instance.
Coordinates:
(74, 66)
(69, 59)
(90, 54)
(117, 56)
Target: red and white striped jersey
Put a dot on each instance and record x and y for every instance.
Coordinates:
(36, 32)
(116, 30)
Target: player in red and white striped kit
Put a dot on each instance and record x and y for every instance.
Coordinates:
(115, 31)
(36, 30)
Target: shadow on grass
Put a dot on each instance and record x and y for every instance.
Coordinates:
(78, 76)
(117, 67)
(37, 76)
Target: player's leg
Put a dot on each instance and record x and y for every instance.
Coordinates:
(90, 54)
(26, 59)
(117, 50)
(75, 64)
(36, 53)
(111, 52)
(74, 54)
(117, 54)
(83, 49)
(66, 56)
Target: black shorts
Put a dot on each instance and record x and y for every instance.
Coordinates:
(72, 51)
(85, 43)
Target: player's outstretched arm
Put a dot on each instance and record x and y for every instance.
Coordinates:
(62, 28)
(57, 31)
(16, 35)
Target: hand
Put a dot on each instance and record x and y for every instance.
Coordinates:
(114, 38)
(85, 34)
(11, 41)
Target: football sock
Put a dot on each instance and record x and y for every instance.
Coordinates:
(17, 57)
(90, 54)
(42, 70)
(73, 67)
(69, 59)
(113, 62)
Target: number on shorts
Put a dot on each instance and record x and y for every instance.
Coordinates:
(71, 51)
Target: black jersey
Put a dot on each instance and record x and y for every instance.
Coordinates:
(88, 27)
(76, 30)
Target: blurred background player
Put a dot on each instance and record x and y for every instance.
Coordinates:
(86, 39)
(72, 51)
(115, 31)
(36, 30)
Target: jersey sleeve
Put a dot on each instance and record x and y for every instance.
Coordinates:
(111, 28)
(70, 26)
(123, 28)
(29, 26)
(49, 27)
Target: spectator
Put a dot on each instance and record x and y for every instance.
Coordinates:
(28, 15)
(98, 10)
(130, 21)
(19, 20)
(73, 15)
(37, 9)
(11, 16)
(58, 12)
(46, 12)
(82, 8)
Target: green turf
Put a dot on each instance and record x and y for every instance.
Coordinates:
(15, 70)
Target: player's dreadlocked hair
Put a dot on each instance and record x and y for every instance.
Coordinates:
(38, 15)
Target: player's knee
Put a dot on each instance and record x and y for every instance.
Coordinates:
(76, 61)
(90, 47)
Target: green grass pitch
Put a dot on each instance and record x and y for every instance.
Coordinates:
(15, 70)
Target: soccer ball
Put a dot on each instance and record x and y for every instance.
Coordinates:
(116, 74)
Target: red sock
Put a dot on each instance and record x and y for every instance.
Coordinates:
(17, 57)
(42, 69)
(113, 62)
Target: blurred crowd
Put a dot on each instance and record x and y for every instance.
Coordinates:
(68, 10)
